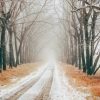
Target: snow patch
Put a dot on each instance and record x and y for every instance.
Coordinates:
(37, 88)
(14, 88)
(62, 90)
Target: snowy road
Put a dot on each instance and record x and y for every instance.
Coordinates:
(50, 84)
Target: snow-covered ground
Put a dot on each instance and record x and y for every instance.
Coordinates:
(37, 88)
(62, 90)
(59, 88)
(6, 92)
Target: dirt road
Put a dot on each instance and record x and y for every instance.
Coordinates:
(51, 84)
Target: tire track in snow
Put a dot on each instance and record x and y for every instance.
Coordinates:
(46, 89)
(25, 87)
(52, 85)
(61, 88)
(36, 91)
(57, 92)
(45, 92)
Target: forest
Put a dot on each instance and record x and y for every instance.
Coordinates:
(60, 31)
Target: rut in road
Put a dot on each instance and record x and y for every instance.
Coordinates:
(46, 90)
(25, 88)
(40, 90)
(22, 91)
(52, 85)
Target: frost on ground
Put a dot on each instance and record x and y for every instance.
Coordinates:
(12, 89)
(51, 79)
(37, 88)
(62, 90)
(11, 76)
(60, 87)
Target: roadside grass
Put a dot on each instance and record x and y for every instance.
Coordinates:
(12, 75)
(81, 81)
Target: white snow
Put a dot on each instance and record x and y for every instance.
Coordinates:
(60, 88)
(11, 90)
(34, 91)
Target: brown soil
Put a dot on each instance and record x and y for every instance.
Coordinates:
(79, 79)
(19, 72)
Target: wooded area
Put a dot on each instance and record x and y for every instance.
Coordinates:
(49, 49)
(83, 34)
(80, 29)
(15, 32)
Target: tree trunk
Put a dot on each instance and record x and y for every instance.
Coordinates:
(3, 47)
(11, 53)
(92, 40)
(1, 60)
(79, 53)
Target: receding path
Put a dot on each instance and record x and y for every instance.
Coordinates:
(45, 92)
(38, 90)
(51, 84)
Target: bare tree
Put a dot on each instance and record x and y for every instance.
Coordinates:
(85, 14)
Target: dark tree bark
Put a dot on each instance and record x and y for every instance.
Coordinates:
(11, 52)
(1, 62)
(3, 47)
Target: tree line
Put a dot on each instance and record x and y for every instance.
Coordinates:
(83, 34)
(17, 22)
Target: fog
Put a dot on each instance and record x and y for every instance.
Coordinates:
(50, 39)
